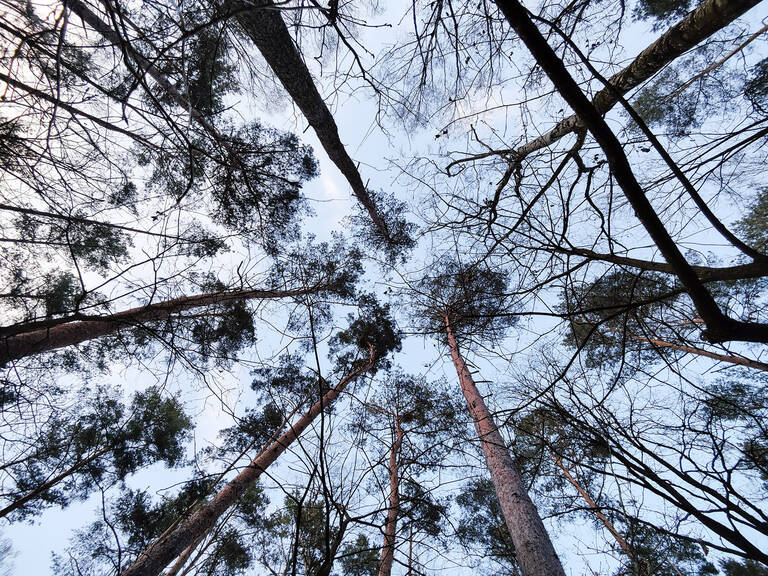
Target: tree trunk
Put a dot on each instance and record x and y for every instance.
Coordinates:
(169, 546)
(708, 17)
(596, 509)
(533, 547)
(738, 360)
(47, 335)
(393, 511)
(264, 25)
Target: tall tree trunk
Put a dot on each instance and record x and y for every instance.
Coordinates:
(46, 335)
(706, 19)
(393, 511)
(533, 547)
(170, 545)
(264, 25)
(720, 328)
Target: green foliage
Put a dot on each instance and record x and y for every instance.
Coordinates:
(372, 326)
(335, 267)
(608, 314)
(663, 106)
(11, 143)
(739, 404)
(90, 245)
(482, 528)
(421, 510)
(100, 444)
(756, 87)
(253, 429)
(661, 11)
(473, 298)
(61, 293)
(220, 336)
(137, 520)
(659, 554)
(360, 558)
(400, 239)
(261, 185)
(253, 183)
(753, 226)
(289, 379)
(298, 528)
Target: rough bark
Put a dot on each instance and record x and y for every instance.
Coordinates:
(393, 511)
(37, 337)
(708, 17)
(169, 546)
(720, 328)
(266, 28)
(535, 553)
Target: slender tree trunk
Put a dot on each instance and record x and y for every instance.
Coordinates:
(533, 547)
(706, 353)
(706, 19)
(596, 509)
(393, 511)
(265, 26)
(44, 336)
(169, 546)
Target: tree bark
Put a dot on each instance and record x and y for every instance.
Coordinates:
(393, 511)
(36, 337)
(533, 547)
(720, 328)
(705, 273)
(169, 546)
(265, 27)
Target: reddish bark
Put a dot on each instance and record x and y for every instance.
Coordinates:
(38, 337)
(173, 543)
(596, 509)
(533, 547)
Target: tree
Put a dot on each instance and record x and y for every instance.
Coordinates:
(469, 303)
(590, 252)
